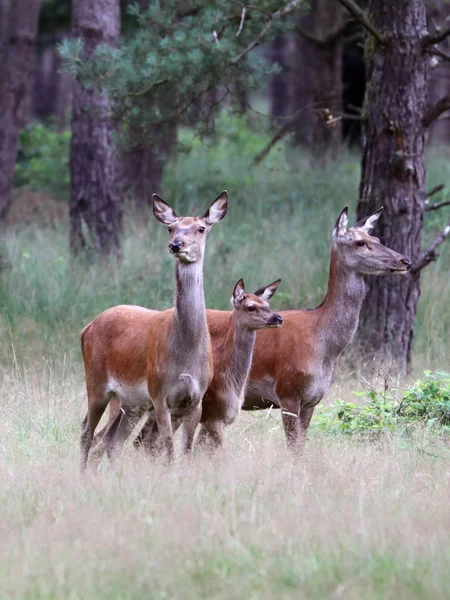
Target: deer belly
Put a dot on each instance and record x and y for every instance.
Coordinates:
(130, 393)
(260, 394)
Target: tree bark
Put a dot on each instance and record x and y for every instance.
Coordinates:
(393, 172)
(316, 78)
(439, 76)
(17, 54)
(96, 208)
(278, 87)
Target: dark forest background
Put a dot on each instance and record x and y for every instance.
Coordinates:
(296, 108)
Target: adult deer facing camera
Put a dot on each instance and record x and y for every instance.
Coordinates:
(148, 358)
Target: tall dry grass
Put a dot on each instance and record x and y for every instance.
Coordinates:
(348, 520)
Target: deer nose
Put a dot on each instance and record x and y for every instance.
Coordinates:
(406, 262)
(175, 247)
(277, 320)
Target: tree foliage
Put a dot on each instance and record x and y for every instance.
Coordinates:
(177, 53)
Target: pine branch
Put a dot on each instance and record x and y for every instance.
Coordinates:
(433, 191)
(281, 12)
(430, 253)
(435, 111)
(282, 131)
(360, 16)
(430, 40)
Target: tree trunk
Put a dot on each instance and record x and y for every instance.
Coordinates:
(316, 79)
(144, 167)
(439, 76)
(17, 54)
(96, 208)
(393, 172)
(278, 87)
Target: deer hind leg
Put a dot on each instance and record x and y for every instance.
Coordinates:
(97, 402)
(114, 408)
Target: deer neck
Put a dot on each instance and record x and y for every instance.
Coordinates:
(341, 307)
(239, 345)
(190, 311)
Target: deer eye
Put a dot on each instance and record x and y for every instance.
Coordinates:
(169, 229)
(360, 243)
(201, 229)
(251, 308)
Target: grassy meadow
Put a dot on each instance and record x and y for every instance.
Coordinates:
(357, 517)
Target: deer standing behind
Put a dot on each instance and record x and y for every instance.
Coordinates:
(294, 367)
(151, 359)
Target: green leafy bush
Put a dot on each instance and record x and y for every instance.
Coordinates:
(427, 403)
(43, 159)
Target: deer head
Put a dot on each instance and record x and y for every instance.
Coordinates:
(187, 235)
(253, 310)
(363, 253)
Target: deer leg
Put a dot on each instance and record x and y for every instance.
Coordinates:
(306, 413)
(290, 413)
(96, 407)
(114, 408)
(164, 422)
(190, 423)
(210, 435)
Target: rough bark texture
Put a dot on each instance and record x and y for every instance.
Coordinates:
(17, 54)
(393, 172)
(439, 76)
(96, 207)
(315, 69)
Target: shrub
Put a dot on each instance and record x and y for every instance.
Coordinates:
(43, 159)
(426, 403)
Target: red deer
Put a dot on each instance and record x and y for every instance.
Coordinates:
(294, 367)
(152, 359)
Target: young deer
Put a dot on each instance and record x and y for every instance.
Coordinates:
(232, 356)
(294, 367)
(149, 358)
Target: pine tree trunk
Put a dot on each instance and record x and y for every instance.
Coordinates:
(96, 208)
(144, 167)
(17, 55)
(316, 79)
(278, 87)
(439, 76)
(393, 172)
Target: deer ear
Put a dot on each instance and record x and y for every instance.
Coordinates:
(162, 211)
(341, 224)
(267, 292)
(367, 225)
(218, 209)
(238, 292)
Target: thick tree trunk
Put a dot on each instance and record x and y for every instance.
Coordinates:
(439, 76)
(17, 53)
(96, 207)
(278, 87)
(315, 69)
(393, 172)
